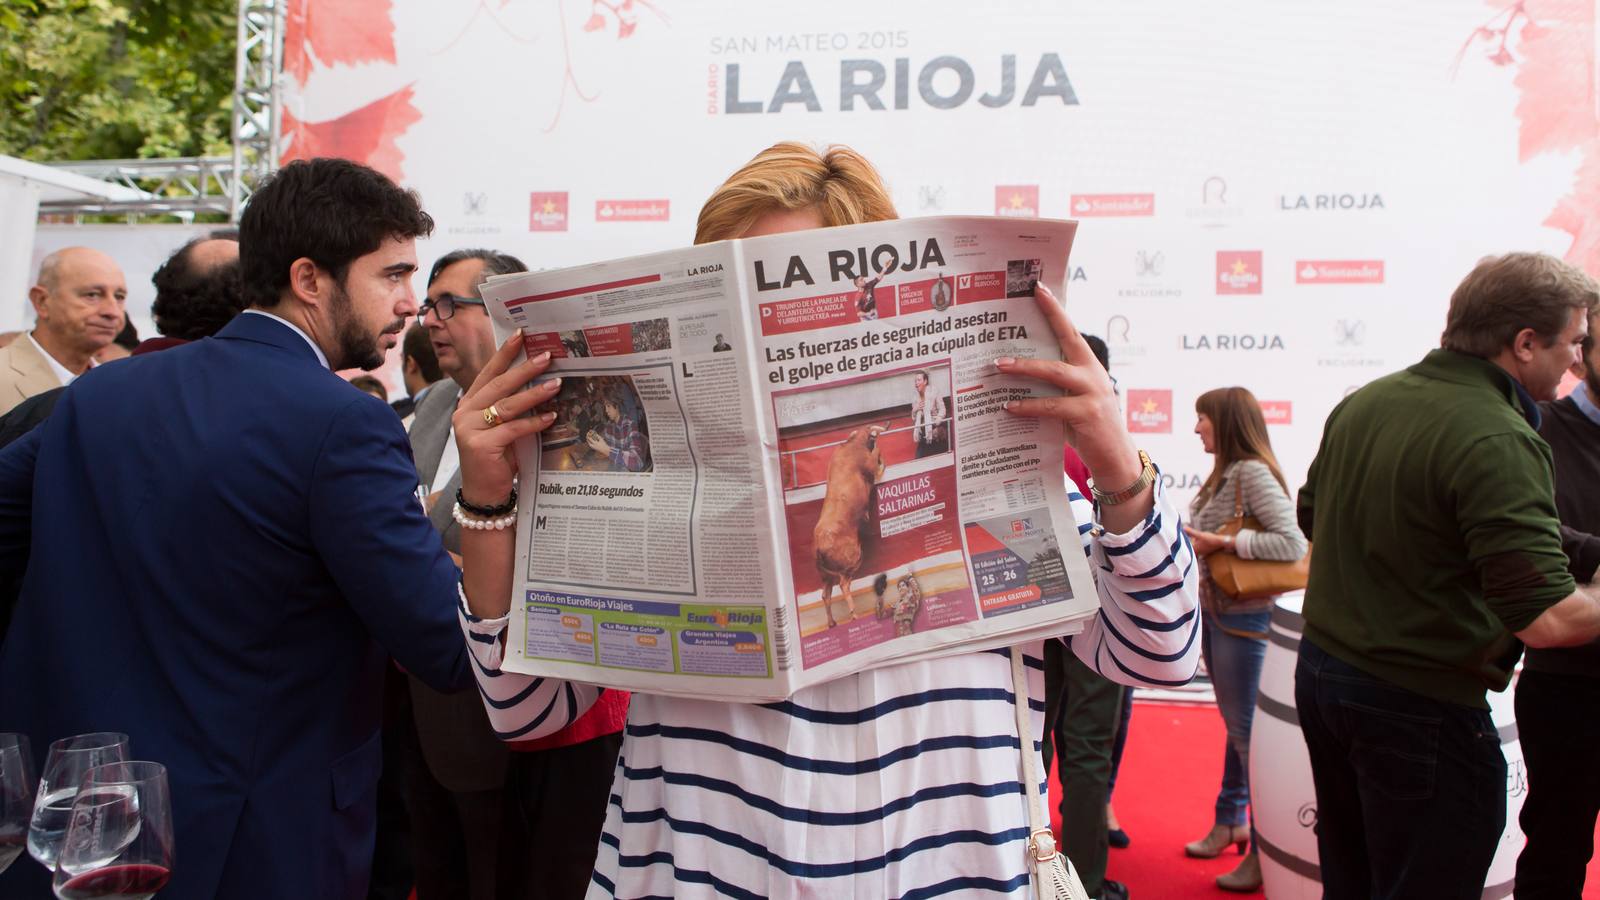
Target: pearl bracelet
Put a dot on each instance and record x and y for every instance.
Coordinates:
(508, 520)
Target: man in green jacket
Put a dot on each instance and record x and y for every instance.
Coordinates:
(1438, 556)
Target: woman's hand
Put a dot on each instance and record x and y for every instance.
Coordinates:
(1208, 542)
(1088, 409)
(488, 460)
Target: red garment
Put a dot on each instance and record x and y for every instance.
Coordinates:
(607, 716)
(1076, 470)
(151, 345)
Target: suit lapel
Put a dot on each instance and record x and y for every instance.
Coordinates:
(430, 430)
(34, 375)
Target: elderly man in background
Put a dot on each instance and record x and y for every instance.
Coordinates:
(79, 301)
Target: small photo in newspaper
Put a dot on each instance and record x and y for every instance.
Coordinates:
(869, 482)
(1021, 276)
(600, 426)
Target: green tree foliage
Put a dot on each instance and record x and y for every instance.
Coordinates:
(96, 79)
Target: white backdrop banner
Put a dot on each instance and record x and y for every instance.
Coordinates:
(1275, 195)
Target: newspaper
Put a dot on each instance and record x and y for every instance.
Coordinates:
(784, 459)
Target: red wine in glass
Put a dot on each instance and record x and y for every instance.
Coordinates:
(134, 881)
(13, 840)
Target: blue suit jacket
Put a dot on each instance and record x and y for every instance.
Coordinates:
(220, 543)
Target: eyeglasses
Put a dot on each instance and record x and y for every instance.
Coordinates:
(445, 306)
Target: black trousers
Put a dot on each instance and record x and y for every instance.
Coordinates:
(1082, 730)
(555, 806)
(1558, 717)
(1411, 791)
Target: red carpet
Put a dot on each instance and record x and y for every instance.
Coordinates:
(1165, 791)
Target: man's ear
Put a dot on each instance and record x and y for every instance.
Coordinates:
(39, 297)
(409, 366)
(308, 282)
(1523, 345)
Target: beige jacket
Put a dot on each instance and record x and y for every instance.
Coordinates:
(24, 372)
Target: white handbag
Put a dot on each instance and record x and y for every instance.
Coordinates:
(1053, 875)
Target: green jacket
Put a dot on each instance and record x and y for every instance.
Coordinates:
(1431, 504)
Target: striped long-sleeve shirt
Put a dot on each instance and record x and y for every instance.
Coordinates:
(901, 781)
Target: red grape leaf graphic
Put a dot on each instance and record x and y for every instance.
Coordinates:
(366, 135)
(1575, 213)
(346, 32)
(1556, 77)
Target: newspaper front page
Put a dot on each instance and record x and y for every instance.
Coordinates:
(784, 459)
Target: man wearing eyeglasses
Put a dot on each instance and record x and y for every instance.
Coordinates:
(472, 795)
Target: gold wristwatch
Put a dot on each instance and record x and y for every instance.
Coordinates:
(1146, 478)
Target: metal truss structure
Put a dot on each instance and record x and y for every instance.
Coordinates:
(212, 185)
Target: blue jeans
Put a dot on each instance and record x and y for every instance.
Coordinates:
(1234, 664)
(1411, 791)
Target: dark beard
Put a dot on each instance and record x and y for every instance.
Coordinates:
(353, 347)
(1591, 379)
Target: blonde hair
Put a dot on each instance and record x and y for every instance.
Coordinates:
(838, 183)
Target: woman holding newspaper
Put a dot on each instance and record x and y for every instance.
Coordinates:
(897, 781)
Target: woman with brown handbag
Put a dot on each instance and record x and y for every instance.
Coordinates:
(1242, 513)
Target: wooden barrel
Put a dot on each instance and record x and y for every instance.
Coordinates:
(1283, 801)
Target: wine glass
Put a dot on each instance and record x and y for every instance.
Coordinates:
(16, 795)
(69, 759)
(118, 842)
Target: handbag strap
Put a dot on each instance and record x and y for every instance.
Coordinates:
(1053, 875)
(1238, 497)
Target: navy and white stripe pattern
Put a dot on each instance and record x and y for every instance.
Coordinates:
(897, 782)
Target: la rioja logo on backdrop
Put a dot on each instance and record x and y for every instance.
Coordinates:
(1238, 271)
(1150, 411)
(1277, 412)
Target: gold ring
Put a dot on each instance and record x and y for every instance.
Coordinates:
(491, 416)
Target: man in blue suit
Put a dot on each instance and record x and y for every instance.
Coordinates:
(221, 542)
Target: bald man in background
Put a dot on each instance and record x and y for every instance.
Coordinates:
(79, 301)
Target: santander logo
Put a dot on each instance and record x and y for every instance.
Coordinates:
(1278, 412)
(1113, 204)
(632, 210)
(1335, 271)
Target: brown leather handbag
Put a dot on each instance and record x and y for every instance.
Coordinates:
(1253, 579)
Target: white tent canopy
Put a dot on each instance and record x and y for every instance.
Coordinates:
(23, 186)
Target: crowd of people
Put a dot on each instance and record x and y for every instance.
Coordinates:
(216, 547)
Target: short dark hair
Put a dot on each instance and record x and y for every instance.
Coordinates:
(417, 346)
(191, 304)
(128, 337)
(330, 211)
(371, 385)
(494, 263)
(1504, 294)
